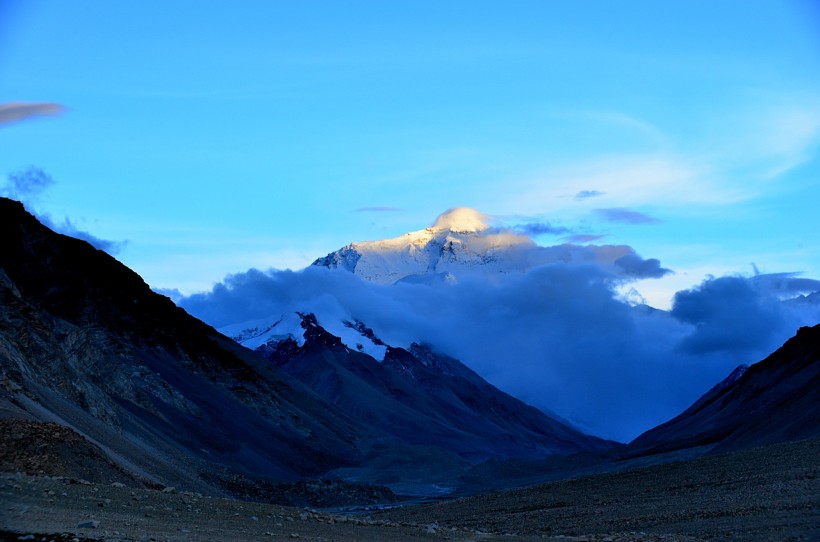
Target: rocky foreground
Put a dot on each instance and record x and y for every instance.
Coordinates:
(769, 493)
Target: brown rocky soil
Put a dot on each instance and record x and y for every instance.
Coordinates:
(50, 449)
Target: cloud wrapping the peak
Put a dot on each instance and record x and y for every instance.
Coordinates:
(557, 335)
(462, 219)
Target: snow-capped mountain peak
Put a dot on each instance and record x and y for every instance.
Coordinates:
(458, 242)
(461, 243)
(461, 220)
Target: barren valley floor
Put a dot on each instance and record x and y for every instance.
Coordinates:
(769, 493)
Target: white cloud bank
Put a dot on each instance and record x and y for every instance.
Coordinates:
(558, 335)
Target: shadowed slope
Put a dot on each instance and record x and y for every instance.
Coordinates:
(83, 340)
(775, 400)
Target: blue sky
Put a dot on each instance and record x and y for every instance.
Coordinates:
(214, 138)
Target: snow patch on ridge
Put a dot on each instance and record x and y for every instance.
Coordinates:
(270, 331)
(254, 333)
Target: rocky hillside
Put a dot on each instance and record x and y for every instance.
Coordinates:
(424, 401)
(84, 342)
(774, 400)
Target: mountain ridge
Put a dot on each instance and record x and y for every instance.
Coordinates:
(776, 399)
(86, 343)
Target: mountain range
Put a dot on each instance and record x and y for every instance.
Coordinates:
(84, 342)
(169, 400)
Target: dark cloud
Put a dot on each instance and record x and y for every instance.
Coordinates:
(16, 112)
(541, 228)
(729, 314)
(558, 335)
(582, 238)
(625, 216)
(586, 194)
(746, 315)
(785, 284)
(635, 266)
(376, 210)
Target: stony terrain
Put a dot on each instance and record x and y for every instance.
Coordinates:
(67, 509)
(763, 494)
(767, 493)
(86, 344)
(54, 450)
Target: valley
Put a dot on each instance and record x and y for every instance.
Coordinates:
(123, 418)
(762, 494)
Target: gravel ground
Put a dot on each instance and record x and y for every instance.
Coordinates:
(63, 510)
(763, 494)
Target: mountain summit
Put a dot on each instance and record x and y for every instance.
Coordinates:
(462, 220)
(85, 343)
(461, 243)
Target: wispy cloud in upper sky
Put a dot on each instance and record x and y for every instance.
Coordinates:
(582, 238)
(586, 194)
(541, 228)
(625, 216)
(16, 112)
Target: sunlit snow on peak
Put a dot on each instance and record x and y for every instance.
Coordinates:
(461, 219)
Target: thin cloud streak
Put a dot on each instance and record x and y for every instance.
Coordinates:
(625, 216)
(582, 238)
(586, 194)
(67, 227)
(541, 228)
(20, 111)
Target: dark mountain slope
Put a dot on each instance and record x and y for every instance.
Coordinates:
(775, 400)
(85, 343)
(83, 340)
(422, 398)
